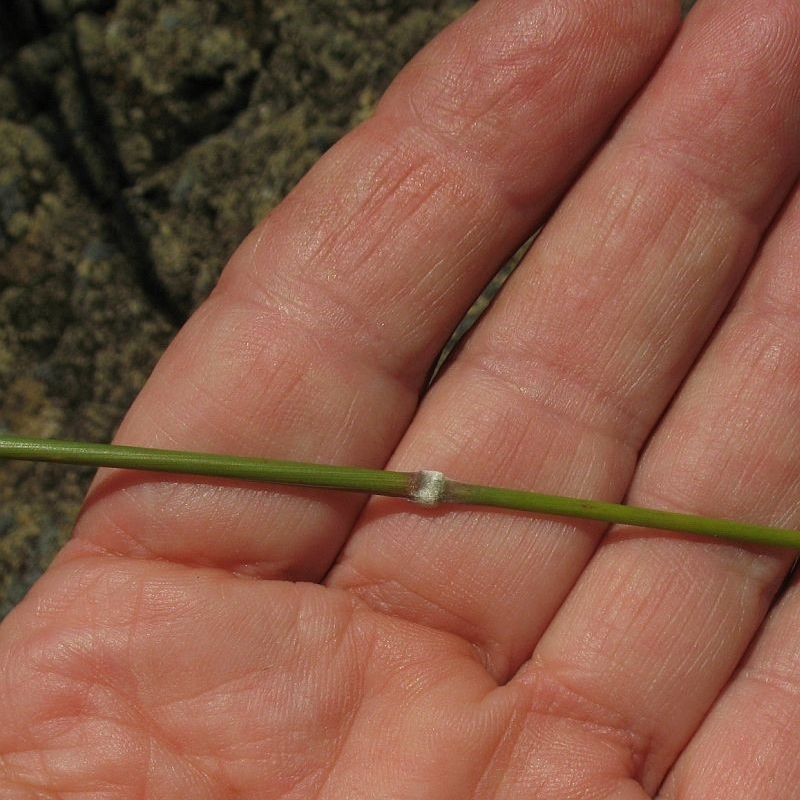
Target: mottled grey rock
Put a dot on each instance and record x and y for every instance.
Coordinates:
(140, 140)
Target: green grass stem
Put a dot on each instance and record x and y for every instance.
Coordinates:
(294, 473)
(425, 487)
(620, 514)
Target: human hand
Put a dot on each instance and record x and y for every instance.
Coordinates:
(212, 639)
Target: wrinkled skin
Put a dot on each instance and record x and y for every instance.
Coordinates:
(210, 639)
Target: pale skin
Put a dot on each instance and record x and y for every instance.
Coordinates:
(208, 639)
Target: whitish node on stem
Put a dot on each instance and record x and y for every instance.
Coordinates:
(427, 488)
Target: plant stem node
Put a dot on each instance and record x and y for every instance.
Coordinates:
(427, 488)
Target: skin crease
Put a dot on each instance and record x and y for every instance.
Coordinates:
(218, 640)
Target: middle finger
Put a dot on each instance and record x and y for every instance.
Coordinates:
(560, 385)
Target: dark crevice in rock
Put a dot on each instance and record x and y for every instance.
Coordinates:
(104, 182)
(55, 91)
(21, 21)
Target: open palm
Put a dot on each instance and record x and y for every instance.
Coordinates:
(213, 639)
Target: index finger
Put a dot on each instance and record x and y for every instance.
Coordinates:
(318, 337)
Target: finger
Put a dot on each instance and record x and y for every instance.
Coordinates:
(559, 386)
(657, 624)
(748, 745)
(315, 344)
(745, 740)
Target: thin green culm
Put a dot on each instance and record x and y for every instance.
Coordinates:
(424, 487)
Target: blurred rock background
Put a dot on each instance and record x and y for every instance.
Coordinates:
(140, 140)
